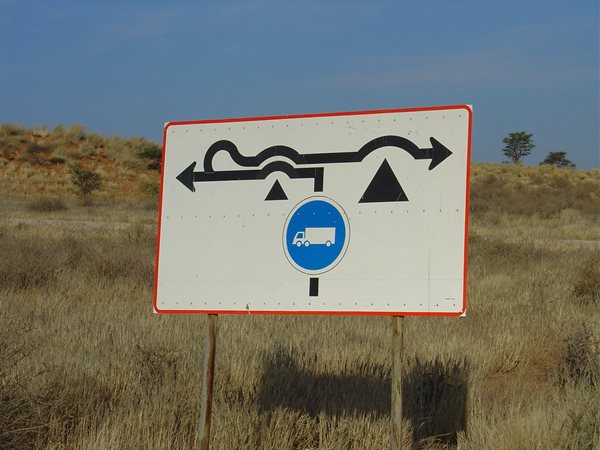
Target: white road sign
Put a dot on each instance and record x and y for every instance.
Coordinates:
(340, 213)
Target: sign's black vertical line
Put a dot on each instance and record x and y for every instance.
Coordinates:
(313, 287)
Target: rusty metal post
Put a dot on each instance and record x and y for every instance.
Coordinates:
(397, 353)
(208, 378)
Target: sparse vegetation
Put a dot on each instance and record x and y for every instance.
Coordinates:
(85, 364)
(110, 374)
(55, 150)
(543, 191)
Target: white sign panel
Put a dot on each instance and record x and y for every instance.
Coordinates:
(341, 213)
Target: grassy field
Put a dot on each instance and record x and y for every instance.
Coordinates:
(85, 364)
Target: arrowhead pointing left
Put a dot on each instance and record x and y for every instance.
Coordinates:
(187, 177)
(440, 153)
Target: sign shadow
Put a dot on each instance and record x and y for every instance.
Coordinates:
(434, 394)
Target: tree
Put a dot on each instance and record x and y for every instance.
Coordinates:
(557, 159)
(517, 145)
(87, 181)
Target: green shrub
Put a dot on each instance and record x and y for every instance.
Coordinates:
(87, 181)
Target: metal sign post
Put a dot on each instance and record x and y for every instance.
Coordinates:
(397, 353)
(208, 378)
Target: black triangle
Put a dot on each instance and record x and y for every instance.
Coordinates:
(384, 187)
(276, 192)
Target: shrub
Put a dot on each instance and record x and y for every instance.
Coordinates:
(87, 181)
(36, 153)
(557, 159)
(152, 153)
(12, 130)
(56, 160)
(34, 149)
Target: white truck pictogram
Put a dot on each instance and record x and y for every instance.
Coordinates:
(315, 236)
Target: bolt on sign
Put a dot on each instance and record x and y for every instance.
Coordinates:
(339, 213)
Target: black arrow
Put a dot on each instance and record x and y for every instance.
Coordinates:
(437, 153)
(188, 177)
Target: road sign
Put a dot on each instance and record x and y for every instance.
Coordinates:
(339, 213)
(316, 235)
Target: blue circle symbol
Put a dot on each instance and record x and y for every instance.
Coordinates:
(316, 235)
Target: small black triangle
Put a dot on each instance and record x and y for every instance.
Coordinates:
(384, 187)
(276, 192)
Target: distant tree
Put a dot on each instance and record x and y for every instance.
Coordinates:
(87, 181)
(557, 159)
(517, 145)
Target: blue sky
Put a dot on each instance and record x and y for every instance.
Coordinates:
(125, 68)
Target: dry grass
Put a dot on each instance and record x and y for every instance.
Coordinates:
(47, 204)
(534, 191)
(86, 364)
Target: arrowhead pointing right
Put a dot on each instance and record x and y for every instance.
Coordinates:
(187, 177)
(440, 153)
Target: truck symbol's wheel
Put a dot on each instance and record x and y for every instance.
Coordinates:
(298, 244)
(328, 244)
(306, 243)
